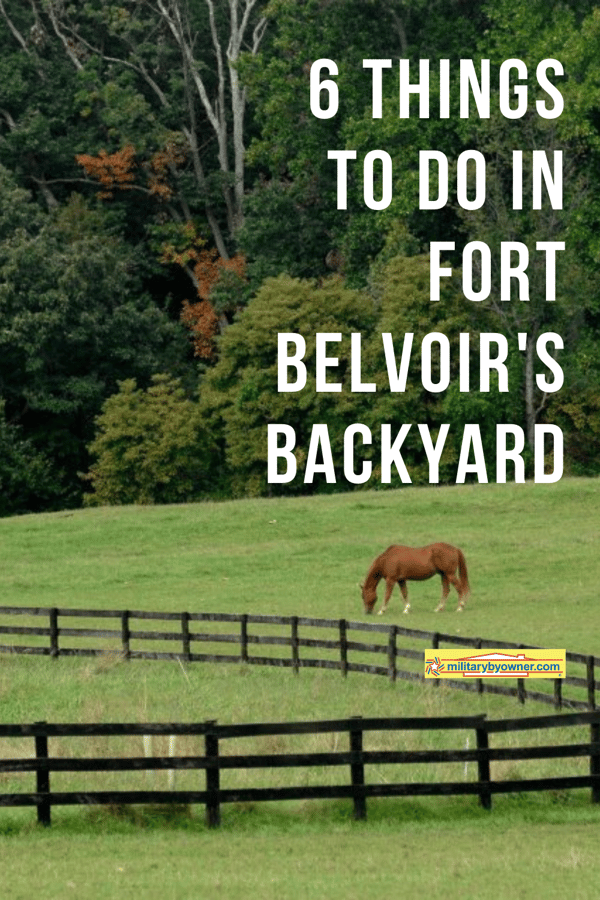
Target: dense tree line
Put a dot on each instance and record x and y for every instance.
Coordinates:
(167, 207)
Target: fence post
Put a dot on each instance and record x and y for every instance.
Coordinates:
(521, 693)
(595, 759)
(558, 693)
(480, 685)
(42, 778)
(185, 635)
(392, 670)
(213, 780)
(295, 646)
(590, 682)
(435, 643)
(244, 638)
(343, 647)
(125, 634)
(357, 768)
(54, 651)
(483, 767)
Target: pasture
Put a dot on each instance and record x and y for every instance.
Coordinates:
(530, 550)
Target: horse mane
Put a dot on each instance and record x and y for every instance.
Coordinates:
(374, 575)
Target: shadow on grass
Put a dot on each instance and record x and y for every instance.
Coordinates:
(391, 815)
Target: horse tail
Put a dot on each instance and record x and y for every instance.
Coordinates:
(462, 571)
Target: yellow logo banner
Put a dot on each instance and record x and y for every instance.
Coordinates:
(469, 663)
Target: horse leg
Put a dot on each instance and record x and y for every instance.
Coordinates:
(404, 592)
(457, 584)
(445, 592)
(389, 587)
(461, 600)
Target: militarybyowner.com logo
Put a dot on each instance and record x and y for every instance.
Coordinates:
(495, 664)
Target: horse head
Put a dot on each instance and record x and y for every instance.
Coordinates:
(369, 597)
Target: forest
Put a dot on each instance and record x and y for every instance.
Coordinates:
(360, 238)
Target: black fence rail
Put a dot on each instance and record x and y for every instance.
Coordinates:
(356, 759)
(370, 647)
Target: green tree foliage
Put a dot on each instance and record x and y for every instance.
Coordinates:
(136, 75)
(532, 32)
(401, 286)
(26, 483)
(298, 182)
(74, 321)
(151, 446)
(242, 388)
(577, 408)
(240, 392)
(39, 124)
(159, 100)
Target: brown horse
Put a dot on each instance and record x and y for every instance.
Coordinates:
(401, 564)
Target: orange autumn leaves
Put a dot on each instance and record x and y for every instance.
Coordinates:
(111, 170)
(117, 172)
(207, 268)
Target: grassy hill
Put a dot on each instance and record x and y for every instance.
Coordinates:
(533, 571)
(531, 552)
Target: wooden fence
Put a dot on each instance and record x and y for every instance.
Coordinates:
(392, 651)
(357, 787)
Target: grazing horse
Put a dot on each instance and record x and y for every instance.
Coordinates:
(400, 564)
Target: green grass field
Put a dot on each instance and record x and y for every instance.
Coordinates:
(533, 578)
(531, 551)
